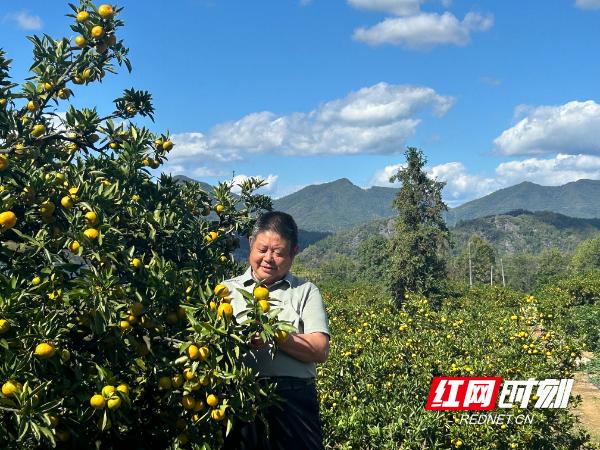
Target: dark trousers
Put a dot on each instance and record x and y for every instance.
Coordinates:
(292, 424)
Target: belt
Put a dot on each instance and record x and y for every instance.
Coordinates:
(287, 383)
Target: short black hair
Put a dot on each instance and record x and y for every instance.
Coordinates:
(278, 222)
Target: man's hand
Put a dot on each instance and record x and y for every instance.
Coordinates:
(307, 347)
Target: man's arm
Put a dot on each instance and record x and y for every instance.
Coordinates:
(307, 347)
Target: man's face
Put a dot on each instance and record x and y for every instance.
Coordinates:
(270, 257)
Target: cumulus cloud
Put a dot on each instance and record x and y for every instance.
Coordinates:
(270, 179)
(588, 4)
(570, 128)
(424, 30)
(373, 120)
(462, 186)
(24, 20)
(561, 169)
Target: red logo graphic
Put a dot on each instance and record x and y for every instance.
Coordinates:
(463, 393)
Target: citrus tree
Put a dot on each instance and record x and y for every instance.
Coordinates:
(114, 330)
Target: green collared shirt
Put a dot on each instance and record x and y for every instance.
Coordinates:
(302, 306)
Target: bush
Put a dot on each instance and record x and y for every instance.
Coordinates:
(374, 387)
(110, 333)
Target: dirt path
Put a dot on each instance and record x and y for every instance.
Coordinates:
(589, 409)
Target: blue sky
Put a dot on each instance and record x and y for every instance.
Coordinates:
(304, 92)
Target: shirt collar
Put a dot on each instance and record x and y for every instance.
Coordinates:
(248, 279)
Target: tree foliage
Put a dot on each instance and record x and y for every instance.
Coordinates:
(587, 255)
(421, 236)
(111, 335)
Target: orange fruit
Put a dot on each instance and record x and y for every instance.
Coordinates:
(114, 402)
(32, 105)
(38, 130)
(97, 31)
(3, 162)
(177, 381)
(80, 41)
(74, 246)
(8, 219)
(4, 326)
(212, 400)
(225, 310)
(108, 390)
(82, 16)
(97, 401)
(66, 202)
(261, 293)
(123, 388)
(193, 352)
(188, 402)
(217, 414)
(106, 11)
(221, 290)
(264, 306)
(10, 387)
(44, 350)
(219, 208)
(91, 233)
(281, 335)
(167, 146)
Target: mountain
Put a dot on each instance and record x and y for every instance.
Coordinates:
(575, 199)
(336, 206)
(511, 233)
(205, 186)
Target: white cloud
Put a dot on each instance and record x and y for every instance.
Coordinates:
(491, 81)
(270, 179)
(373, 120)
(425, 30)
(561, 169)
(588, 4)
(397, 7)
(25, 21)
(382, 177)
(461, 186)
(570, 128)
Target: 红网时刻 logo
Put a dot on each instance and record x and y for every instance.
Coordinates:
(485, 393)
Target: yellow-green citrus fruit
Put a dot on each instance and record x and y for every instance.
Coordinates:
(97, 401)
(80, 41)
(114, 402)
(221, 290)
(38, 130)
(4, 326)
(44, 350)
(225, 310)
(82, 16)
(212, 400)
(91, 233)
(261, 293)
(74, 246)
(264, 305)
(164, 383)
(108, 390)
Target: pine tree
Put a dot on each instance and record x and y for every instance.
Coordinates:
(421, 236)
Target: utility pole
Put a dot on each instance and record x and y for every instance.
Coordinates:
(492, 275)
(502, 268)
(470, 268)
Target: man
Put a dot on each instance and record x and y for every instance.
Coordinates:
(295, 423)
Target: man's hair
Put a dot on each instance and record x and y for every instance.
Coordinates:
(278, 222)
